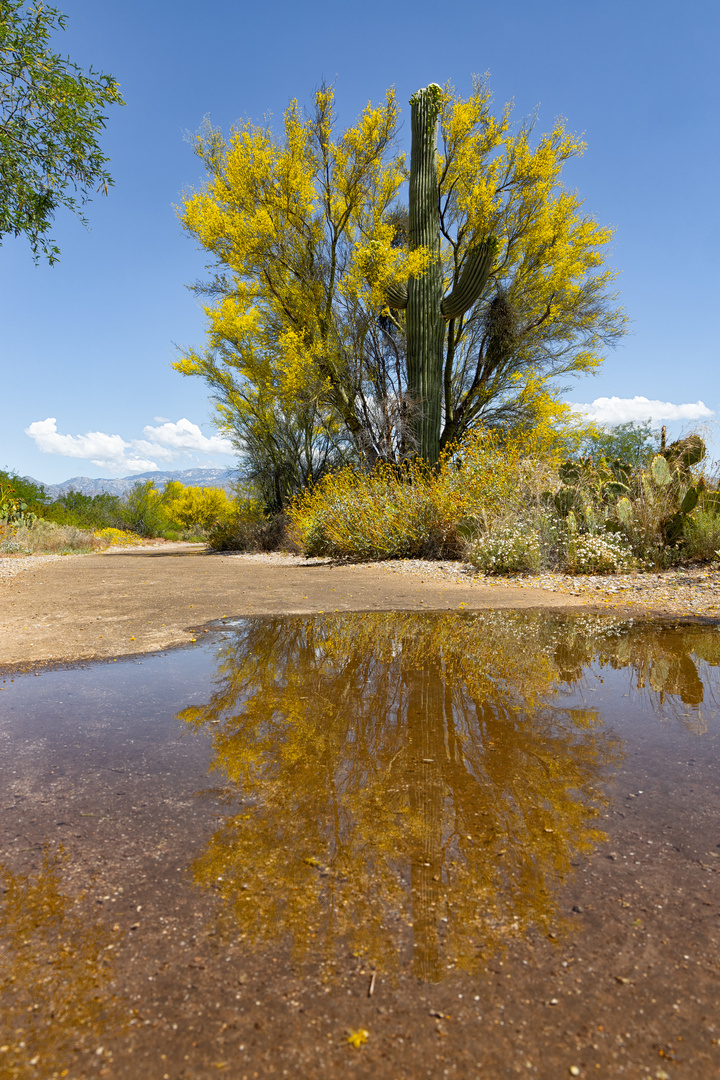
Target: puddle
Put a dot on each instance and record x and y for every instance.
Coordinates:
(398, 845)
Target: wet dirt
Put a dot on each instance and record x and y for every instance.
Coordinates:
(392, 845)
(120, 603)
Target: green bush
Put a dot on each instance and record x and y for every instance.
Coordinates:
(142, 512)
(702, 535)
(86, 511)
(33, 495)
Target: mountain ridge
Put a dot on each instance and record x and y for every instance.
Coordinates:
(86, 485)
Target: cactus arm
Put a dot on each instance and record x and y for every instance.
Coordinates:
(473, 279)
(425, 325)
(396, 293)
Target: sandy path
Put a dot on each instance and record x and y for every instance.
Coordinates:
(142, 599)
(119, 602)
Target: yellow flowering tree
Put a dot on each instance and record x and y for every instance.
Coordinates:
(313, 257)
(195, 507)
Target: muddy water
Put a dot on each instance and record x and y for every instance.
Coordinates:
(393, 845)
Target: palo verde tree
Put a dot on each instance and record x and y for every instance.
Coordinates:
(50, 119)
(403, 326)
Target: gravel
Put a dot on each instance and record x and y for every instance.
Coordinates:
(14, 564)
(680, 591)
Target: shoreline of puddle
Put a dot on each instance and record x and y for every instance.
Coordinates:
(630, 615)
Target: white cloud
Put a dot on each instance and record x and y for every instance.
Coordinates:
(105, 451)
(187, 436)
(617, 410)
(164, 444)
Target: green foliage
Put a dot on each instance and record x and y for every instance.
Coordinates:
(142, 511)
(631, 442)
(32, 494)
(649, 505)
(587, 485)
(86, 511)
(13, 509)
(50, 119)
(674, 490)
(284, 448)
(177, 512)
(702, 535)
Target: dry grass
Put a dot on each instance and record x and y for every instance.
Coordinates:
(47, 538)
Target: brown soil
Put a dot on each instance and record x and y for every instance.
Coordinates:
(120, 602)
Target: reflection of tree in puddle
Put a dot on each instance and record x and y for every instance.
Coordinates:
(54, 972)
(399, 768)
(669, 662)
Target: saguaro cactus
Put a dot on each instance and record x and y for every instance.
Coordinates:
(427, 311)
(425, 327)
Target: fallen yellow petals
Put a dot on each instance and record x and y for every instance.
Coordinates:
(357, 1038)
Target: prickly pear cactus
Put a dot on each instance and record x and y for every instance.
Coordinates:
(660, 471)
(670, 474)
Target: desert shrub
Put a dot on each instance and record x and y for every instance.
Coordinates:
(388, 513)
(598, 553)
(240, 533)
(142, 511)
(117, 537)
(508, 549)
(85, 511)
(414, 511)
(26, 491)
(702, 535)
(47, 538)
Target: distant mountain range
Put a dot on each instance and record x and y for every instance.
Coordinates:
(222, 478)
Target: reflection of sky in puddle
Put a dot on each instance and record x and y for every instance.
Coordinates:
(408, 789)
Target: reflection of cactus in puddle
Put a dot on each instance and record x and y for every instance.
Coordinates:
(55, 968)
(394, 769)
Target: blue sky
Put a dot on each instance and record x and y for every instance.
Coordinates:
(85, 346)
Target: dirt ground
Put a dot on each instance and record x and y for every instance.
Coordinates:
(140, 600)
